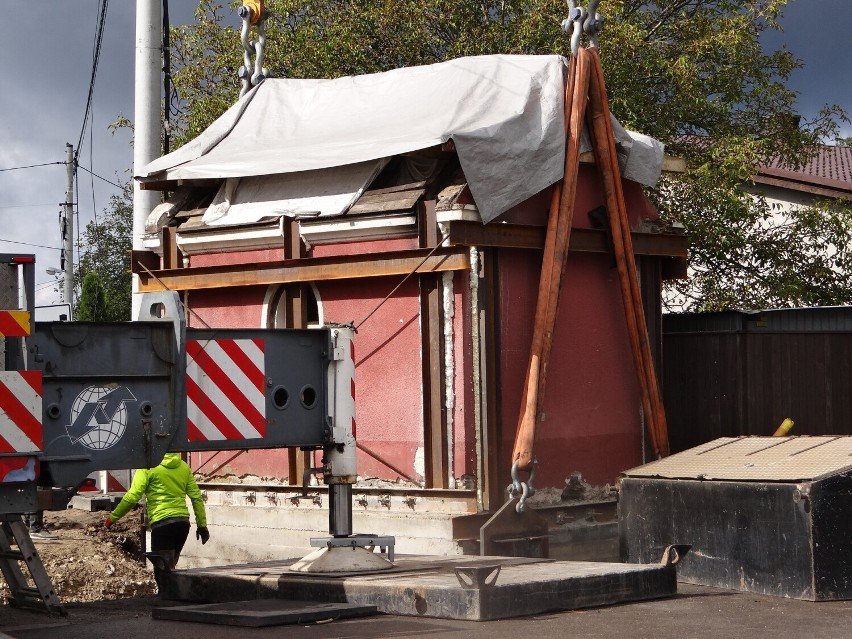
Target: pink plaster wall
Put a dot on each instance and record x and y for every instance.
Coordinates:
(592, 406)
(388, 395)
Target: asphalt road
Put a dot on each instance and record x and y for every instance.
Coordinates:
(695, 612)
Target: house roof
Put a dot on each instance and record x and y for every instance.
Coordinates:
(827, 174)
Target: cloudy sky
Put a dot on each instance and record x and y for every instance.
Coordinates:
(46, 55)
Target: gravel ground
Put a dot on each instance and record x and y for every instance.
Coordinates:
(88, 563)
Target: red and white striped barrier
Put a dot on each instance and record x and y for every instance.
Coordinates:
(20, 412)
(14, 323)
(225, 389)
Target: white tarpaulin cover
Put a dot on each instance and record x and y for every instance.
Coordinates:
(504, 113)
(321, 192)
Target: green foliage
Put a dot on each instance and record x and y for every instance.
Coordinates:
(91, 307)
(105, 263)
(681, 71)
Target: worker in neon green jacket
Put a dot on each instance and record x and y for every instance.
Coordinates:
(165, 489)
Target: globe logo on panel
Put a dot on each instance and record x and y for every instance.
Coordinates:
(99, 416)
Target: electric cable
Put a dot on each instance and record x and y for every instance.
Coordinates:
(52, 248)
(80, 166)
(29, 166)
(96, 54)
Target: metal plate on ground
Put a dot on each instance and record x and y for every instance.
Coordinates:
(432, 587)
(263, 612)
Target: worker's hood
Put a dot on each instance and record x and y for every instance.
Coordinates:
(171, 460)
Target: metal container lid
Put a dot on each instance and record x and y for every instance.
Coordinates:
(769, 459)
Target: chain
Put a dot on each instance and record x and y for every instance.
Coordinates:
(252, 12)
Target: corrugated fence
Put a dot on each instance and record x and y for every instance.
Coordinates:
(736, 373)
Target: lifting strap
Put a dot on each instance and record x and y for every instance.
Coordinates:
(585, 86)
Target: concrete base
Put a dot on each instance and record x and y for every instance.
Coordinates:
(94, 502)
(441, 587)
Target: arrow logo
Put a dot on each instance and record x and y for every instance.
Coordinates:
(99, 413)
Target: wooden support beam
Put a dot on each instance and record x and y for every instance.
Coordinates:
(434, 417)
(305, 270)
(467, 233)
(172, 257)
(173, 185)
(295, 316)
(671, 163)
(432, 348)
(142, 260)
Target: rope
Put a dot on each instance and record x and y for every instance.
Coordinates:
(185, 307)
(404, 279)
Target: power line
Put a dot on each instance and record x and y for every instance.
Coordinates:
(25, 206)
(30, 166)
(52, 248)
(96, 54)
(80, 166)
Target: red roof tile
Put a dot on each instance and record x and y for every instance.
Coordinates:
(830, 170)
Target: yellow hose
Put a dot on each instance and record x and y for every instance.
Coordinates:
(784, 429)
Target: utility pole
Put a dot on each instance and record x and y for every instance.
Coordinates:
(68, 226)
(146, 136)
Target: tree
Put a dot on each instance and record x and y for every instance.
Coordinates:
(91, 306)
(105, 263)
(683, 71)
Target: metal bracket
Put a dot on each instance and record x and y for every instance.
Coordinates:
(477, 577)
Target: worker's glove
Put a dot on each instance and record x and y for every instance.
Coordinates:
(203, 534)
(108, 522)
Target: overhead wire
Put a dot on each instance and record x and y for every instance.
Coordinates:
(96, 54)
(52, 248)
(103, 6)
(24, 206)
(92, 173)
(29, 166)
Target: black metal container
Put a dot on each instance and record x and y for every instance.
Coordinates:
(763, 514)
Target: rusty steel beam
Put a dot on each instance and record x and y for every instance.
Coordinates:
(305, 270)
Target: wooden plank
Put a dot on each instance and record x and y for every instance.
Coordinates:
(188, 213)
(468, 233)
(395, 189)
(305, 270)
(403, 201)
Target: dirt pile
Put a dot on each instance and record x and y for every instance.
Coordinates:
(90, 563)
